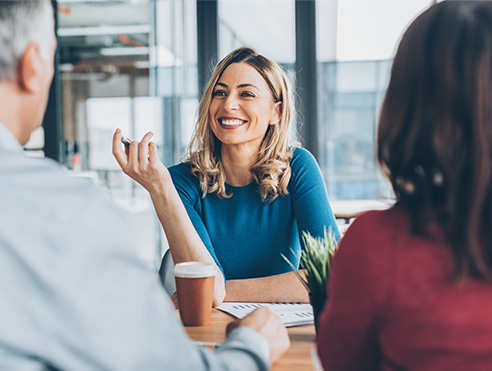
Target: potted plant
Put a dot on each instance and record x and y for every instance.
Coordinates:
(315, 260)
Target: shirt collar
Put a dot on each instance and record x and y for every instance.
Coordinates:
(8, 141)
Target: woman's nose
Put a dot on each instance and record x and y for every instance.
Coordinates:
(231, 102)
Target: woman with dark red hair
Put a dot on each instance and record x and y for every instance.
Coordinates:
(411, 286)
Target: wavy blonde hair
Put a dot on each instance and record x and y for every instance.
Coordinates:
(272, 169)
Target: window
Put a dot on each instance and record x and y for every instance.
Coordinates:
(267, 26)
(132, 65)
(356, 43)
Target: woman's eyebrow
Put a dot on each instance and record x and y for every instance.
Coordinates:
(247, 86)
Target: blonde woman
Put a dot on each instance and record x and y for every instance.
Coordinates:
(242, 196)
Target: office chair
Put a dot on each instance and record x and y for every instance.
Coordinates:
(166, 273)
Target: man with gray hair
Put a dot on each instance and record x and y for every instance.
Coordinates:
(73, 294)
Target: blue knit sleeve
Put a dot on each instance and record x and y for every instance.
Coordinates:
(310, 198)
(188, 188)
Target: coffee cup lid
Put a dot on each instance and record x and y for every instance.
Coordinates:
(194, 270)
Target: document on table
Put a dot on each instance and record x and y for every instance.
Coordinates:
(292, 314)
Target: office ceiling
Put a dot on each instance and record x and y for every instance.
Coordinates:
(93, 34)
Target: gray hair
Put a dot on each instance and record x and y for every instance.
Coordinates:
(21, 23)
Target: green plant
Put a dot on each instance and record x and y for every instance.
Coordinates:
(315, 260)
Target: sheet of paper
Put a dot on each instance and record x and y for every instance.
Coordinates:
(292, 314)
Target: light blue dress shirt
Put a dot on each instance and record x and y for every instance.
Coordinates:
(73, 293)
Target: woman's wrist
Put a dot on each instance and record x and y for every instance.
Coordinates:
(163, 193)
(158, 184)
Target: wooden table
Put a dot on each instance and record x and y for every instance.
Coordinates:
(297, 358)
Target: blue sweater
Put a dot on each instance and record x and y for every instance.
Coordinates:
(247, 236)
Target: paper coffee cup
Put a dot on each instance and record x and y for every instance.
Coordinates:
(195, 287)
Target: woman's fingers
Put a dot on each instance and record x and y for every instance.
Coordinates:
(118, 153)
(153, 155)
(141, 161)
(143, 148)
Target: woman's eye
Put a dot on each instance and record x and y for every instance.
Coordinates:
(247, 94)
(219, 93)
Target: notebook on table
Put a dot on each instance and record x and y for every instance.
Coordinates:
(292, 314)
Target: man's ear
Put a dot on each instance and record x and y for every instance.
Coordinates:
(277, 113)
(29, 72)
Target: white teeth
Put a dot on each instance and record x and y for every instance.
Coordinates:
(232, 122)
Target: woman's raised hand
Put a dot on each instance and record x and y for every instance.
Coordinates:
(140, 161)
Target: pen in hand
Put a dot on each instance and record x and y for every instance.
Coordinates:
(126, 142)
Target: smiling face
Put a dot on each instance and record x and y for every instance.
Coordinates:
(242, 107)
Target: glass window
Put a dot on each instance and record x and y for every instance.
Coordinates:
(132, 65)
(356, 42)
(266, 25)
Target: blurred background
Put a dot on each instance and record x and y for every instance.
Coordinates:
(141, 65)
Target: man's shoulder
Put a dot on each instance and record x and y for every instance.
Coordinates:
(44, 183)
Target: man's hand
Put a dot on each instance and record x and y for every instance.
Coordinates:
(270, 326)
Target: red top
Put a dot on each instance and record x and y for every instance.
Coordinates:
(394, 305)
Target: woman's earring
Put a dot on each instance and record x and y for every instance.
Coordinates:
(438, 179)
(405, 185)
